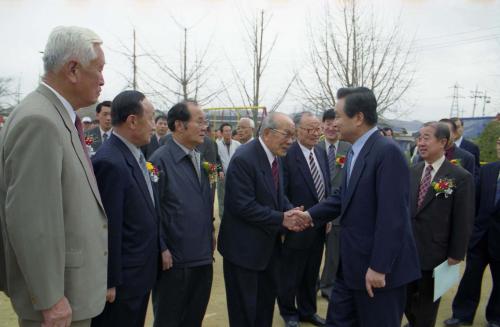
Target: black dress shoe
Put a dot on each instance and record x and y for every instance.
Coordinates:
(314, 319)
(456, 322)
(292, 323)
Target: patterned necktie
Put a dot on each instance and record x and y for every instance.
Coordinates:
(331, 159)
(318, 182)
(79, 128)
(147, 177)
(275, 171)
(424, 186)
(104, 137)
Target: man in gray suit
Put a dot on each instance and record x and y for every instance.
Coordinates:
(52, 222)
(336, 152)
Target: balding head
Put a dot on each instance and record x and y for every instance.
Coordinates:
(277, 132)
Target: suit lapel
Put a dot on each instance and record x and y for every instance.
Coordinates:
(136, 170)
(267, 172)
(75, 140)
(323, 166)
(443, 172)
(184, 162)
(357, 170)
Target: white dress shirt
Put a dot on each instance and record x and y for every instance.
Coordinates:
(435, 167)
(269, 154)
(307, 153)
(65, 103)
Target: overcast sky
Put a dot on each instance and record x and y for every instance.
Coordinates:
(455, 41)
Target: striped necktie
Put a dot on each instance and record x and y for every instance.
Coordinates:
(424, 186)
(318, 182)
(331, 159)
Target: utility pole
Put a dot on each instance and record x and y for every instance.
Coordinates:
(134, 65)
(455, 110)
(475, 95)
(486, 99)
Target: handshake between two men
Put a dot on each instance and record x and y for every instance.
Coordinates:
(297, 220)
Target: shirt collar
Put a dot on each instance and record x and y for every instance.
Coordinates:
(358, 145)
(65, 103)
(186, 150)
(459, 141)
(269, 154)
(305, 150)
(136, 152)
(336, 144)
(436, 164)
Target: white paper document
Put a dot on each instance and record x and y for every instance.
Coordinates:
(445, 276)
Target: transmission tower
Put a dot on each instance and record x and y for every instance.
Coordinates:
(455, 110)
(486, 99)
(475, 95)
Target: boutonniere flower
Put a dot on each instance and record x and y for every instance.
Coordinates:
(211, 169)
(154, 173)
(89, 140)
(443, 186)
(340, 160)
(456, 162)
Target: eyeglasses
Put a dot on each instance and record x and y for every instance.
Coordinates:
(287, 135)
(312, 130)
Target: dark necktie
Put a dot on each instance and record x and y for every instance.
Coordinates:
(79, 128)
(275, 171)
(104, 137)
(318, 182)
(424, 186)
(331, 159)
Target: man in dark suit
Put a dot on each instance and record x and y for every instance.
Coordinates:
(441, 222)
(161, 130)
(129, 197)
(336, 152)
(250, 231)
(484, 250)
(378, 257)
(306, 182)
(180, 296)
(102, 132)
(465, 144)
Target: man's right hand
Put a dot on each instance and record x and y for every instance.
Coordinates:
(111, 295)
(59, 315)
(166, 258)
(296, 220)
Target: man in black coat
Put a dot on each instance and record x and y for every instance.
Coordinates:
(101, 133)
(465, 144)
(441, 218)
(484, 250)
(306, 181)
(161, 130)
(252, 225)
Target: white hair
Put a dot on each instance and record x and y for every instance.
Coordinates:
(69, 43)
(250, 121)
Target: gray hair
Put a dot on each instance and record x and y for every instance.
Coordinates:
(69, 43)
(442, 131)
(297, 118)
(250, 121)
(269, 122)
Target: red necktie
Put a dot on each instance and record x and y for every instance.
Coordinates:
(424, 186)
(275, 170)
(79, 128)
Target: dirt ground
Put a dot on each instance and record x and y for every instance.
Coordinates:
(216, 315)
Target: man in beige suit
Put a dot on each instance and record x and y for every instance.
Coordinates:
(53, 225)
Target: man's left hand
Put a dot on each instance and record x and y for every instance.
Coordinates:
(373, 280)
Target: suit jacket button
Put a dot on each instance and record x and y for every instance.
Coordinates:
(105, 253)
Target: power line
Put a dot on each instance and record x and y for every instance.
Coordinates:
(475, 95)
(455, 110)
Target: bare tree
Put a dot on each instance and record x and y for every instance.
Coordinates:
(191, 79)
(259, 50)
(352, 49)
(8, 97)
